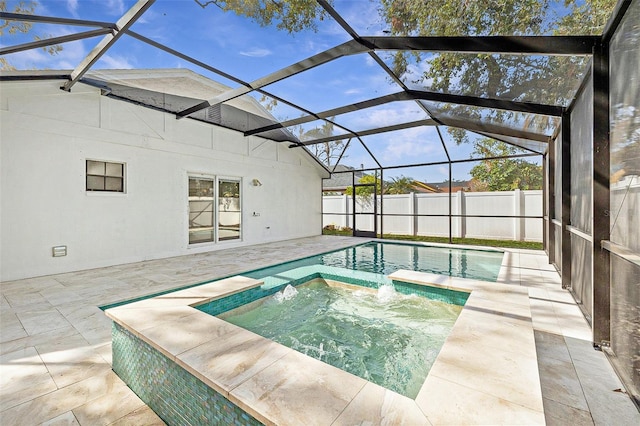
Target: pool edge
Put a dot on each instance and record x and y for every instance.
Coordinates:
(487, 302)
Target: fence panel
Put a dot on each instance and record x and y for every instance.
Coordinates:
(532, 229)
(504, 203)
(432, 204)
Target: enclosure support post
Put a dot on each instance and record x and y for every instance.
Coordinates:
(450, 207)
(601, 265)
(381, 204)
(517, 212)
(545, 211)
(347, 220)
(566, 201)
(353, 203)
(550, 244)
(461, 215)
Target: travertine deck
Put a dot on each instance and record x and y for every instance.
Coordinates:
(55, 350)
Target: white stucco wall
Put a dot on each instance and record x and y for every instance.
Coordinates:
(47, 134)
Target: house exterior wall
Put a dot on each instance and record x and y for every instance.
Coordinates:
(48, 134)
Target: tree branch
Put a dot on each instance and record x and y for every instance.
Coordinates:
(207, 3)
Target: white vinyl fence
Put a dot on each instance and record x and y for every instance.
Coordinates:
(337, 211)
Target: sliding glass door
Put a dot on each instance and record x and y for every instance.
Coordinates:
(229, 209)
(201, 211)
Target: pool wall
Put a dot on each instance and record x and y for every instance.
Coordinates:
(174, 394)
(304, 274)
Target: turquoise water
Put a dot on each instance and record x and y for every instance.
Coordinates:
(385, 337)
(383, 258)
(386, 258)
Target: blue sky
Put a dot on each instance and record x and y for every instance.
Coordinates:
(240, 47)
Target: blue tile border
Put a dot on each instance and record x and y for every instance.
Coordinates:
(301, 275)
(178, 397)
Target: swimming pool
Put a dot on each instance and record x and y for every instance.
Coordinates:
(185, 363)
(377, 259)
(385, 258)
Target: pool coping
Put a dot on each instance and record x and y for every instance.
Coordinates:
(488, 360)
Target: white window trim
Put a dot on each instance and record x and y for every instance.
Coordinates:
(125, 173)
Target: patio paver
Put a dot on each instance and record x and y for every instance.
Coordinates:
(55, 344)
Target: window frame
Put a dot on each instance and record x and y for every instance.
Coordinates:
(105, 176)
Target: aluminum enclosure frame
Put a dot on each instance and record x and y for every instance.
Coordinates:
(595, 47)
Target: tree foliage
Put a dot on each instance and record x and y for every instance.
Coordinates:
(625, 147)
(399, 185)
(505, 174)
(625, 100)
(326, 152)
(9, 28)
(366, 191)
(289, 15)
(531, 78)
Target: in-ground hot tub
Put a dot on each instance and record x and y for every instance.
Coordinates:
(191, 366)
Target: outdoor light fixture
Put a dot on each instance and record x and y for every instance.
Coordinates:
(256, 182)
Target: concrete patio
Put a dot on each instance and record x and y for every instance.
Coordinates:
(55, 347)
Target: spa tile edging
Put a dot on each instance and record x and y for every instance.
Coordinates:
(525, 406)
(161, 338)
(177, 396)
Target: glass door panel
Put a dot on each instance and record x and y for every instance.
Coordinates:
(229, 210)
(201, 195)
(365, 209)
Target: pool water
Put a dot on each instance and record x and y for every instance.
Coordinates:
(385, 337)
(385, 258)
(381, 258)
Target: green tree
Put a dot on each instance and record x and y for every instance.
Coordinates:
(531, 78)
(366, 191)
(326, 152)
(399, 185)
(9, 28)
(289, 15)
(542, 79)
(504, 174)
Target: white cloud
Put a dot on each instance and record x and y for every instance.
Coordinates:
(364, 20)
(115, 7)
(370, 61)
(114, 62)
(408, 147)
(72, 6)
(29, 59)
(386, 115)
(256, 52)
(72, 53)
(414, 76)
(415, 145)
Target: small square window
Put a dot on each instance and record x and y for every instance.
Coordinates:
(104, 176)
